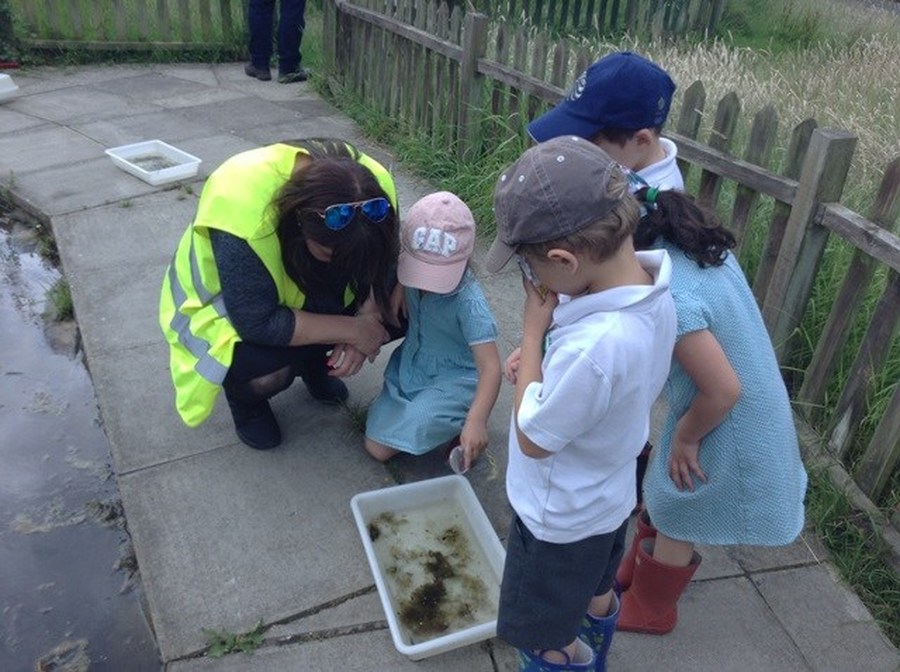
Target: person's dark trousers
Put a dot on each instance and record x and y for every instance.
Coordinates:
(641, 468)
(291, 23)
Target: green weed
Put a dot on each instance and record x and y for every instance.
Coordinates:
(221, 642)
(856, 549)
(59, 302)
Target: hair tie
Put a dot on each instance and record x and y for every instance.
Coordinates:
(650, 196)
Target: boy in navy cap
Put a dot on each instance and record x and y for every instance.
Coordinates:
(620, 103)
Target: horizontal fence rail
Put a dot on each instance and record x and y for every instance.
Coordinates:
(463, 82)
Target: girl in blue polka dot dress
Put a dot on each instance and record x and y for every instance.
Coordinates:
(728, 469)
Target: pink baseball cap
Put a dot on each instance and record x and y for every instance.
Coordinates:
(437, 238)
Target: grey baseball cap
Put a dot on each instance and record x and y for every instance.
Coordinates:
(554, 189)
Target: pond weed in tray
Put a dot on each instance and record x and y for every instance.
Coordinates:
(437, 563)
(154, 161)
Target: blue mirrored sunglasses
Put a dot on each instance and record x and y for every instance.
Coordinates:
(338, 216)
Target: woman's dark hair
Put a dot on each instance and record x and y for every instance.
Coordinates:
(680, 220)
(363, 252)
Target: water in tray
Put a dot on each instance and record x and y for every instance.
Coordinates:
(438, 576)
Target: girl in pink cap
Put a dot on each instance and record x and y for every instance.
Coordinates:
(442, 381)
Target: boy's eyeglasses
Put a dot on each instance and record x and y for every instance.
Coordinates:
(525, 267)
(339, 215)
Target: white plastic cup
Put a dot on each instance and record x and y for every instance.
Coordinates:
(457, 459)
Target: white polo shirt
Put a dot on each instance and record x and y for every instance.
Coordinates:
(606, 361)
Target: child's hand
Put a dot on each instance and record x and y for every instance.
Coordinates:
(539, 305)
(683, 462)
(345, 360)
(474, 440)
(511, 368)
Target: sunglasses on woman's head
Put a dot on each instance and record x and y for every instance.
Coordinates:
(339, 215)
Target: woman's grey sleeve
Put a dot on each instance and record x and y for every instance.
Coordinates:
(249, 292)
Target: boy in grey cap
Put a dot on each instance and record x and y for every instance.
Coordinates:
(586, 376)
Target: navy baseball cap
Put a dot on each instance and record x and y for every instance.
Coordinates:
(622, 90)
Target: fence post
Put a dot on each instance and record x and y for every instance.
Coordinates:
(688, 125)
(884, 212)
(759, 149)
(821, 180)
(780, 213)
(879, 461)
(471, 84)
(720, 138)
(329, 34)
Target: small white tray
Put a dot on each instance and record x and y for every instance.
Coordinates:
(155, 161)
(8, 87)
(424, 538)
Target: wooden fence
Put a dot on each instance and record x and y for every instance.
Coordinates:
(461, 81)
(133, 24)
(639, 18)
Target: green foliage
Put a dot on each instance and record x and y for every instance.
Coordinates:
(221, 642)
(59, 302)
(9, 44)
(856, 549)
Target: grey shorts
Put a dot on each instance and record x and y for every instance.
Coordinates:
(546, 588)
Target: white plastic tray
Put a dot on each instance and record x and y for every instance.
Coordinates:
(155, 161)
(414, 522)
(8, 87)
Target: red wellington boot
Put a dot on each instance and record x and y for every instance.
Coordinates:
(651, 604)
(643, 529)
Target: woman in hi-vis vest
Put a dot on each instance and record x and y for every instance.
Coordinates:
(287, 270)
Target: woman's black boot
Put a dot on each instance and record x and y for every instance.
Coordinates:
(254, 422)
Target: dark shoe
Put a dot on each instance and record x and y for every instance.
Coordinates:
(255, 424)
(324, 388)
(298, 75)
(262, 74)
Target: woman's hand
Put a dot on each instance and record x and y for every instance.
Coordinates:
(511, 368)
(684, 462)
(344, 361)
(368, 335)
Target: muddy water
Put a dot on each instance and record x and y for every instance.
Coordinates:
(69, 599)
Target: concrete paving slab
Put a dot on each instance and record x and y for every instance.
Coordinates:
(74, 186)
(137, 405)
(135, 294)
(83, 103)
(723, 625)
(233, 535)
(110, 235)
(163, 125)
(244, 115)
(149, 86)
(357, 611)
(827, 620)
(13, 122)
(362, 651)
(806, 550)
(43, 147)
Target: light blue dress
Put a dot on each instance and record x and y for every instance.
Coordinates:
(430, 380)
(755, 476)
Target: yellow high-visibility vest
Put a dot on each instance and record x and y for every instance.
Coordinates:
(236, 198)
